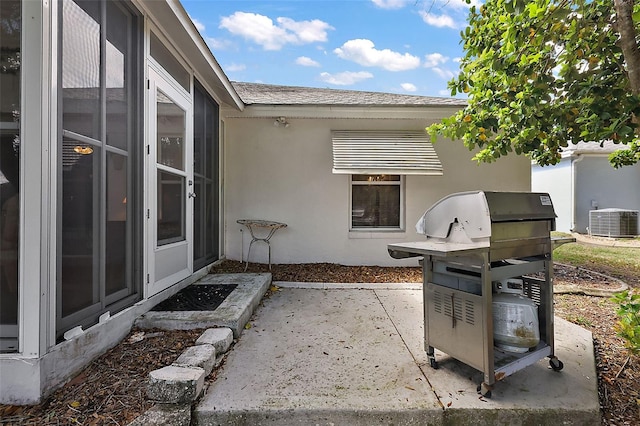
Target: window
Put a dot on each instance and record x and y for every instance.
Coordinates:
(100, 107)
(171, 131)
(161, 54)
(376, 202)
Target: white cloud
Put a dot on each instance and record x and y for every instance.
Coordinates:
(363, 52)
(390, 4)
(439, 21)
(434, 59)
(199, 25)
(261, 30)
(447, 13)
(307, 62)
(445, 74)
(306, 31)
(236, 67)
(218, 43)
(462, 4)
(409, 87)
(457, 60)
(345, 78)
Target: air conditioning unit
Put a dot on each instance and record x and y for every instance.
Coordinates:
(613, 223)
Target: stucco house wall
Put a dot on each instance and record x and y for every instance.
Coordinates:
(600, 186)
(285, 175)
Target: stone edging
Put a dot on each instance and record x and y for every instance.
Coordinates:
(598, 292)
(175, 387)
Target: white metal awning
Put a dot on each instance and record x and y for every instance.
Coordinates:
(384, 152)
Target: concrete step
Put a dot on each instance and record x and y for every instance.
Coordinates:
(234, 312)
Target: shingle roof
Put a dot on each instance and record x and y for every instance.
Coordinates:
(268, 94)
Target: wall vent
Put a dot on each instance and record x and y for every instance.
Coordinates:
(613, 223)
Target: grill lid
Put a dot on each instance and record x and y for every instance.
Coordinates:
(475, 211)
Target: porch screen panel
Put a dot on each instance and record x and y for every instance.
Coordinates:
(384, 152)
(116, 248)
(120, 72)
(81, 155)
(10, 102)
(80, 226)
(205, 174)
(99, 115)
(81, 68)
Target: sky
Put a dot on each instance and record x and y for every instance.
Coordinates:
(392, 46)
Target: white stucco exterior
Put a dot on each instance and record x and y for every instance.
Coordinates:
(284, 174)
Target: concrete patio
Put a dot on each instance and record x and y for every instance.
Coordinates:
(352, 354)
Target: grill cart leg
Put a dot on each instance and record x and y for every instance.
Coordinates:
(555, 363)
(432, 357)
(484, 390)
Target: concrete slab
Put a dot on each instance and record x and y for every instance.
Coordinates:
(332, 355)
(233, 313)
(319, 356)
(534, 395)
(165, 415)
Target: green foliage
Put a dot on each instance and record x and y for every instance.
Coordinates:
(541, 75)
(628, 325)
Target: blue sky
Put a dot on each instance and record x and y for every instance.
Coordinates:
(396, 46)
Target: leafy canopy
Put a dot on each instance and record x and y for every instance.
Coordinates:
(541, 75)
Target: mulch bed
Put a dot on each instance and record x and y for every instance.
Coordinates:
(112, 390)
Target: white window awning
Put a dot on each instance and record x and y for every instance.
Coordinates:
(384, 152)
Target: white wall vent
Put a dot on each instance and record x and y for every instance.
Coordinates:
(613, 223)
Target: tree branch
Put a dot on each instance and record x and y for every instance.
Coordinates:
(628, 44)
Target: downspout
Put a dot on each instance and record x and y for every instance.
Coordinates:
(574, 179)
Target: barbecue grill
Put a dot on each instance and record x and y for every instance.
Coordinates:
(475, 242)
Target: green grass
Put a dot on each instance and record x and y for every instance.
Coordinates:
(580, 320)
(624, 260)
(582, 254)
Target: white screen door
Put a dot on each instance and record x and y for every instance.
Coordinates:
(170, 179)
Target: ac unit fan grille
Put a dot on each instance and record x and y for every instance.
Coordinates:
(613, 223)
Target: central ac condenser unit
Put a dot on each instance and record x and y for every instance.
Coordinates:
(613, 223)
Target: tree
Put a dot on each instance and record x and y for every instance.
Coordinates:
(543, 74)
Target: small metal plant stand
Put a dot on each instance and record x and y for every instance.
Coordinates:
(252, 225)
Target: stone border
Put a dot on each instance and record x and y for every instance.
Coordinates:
(176, 387)
(234, 312)
(597, 292)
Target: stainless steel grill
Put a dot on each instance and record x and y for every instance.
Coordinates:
(473, 241)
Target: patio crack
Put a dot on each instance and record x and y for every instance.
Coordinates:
(409, 350)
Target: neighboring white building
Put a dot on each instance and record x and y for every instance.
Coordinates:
(584, 180)
(127, 157)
